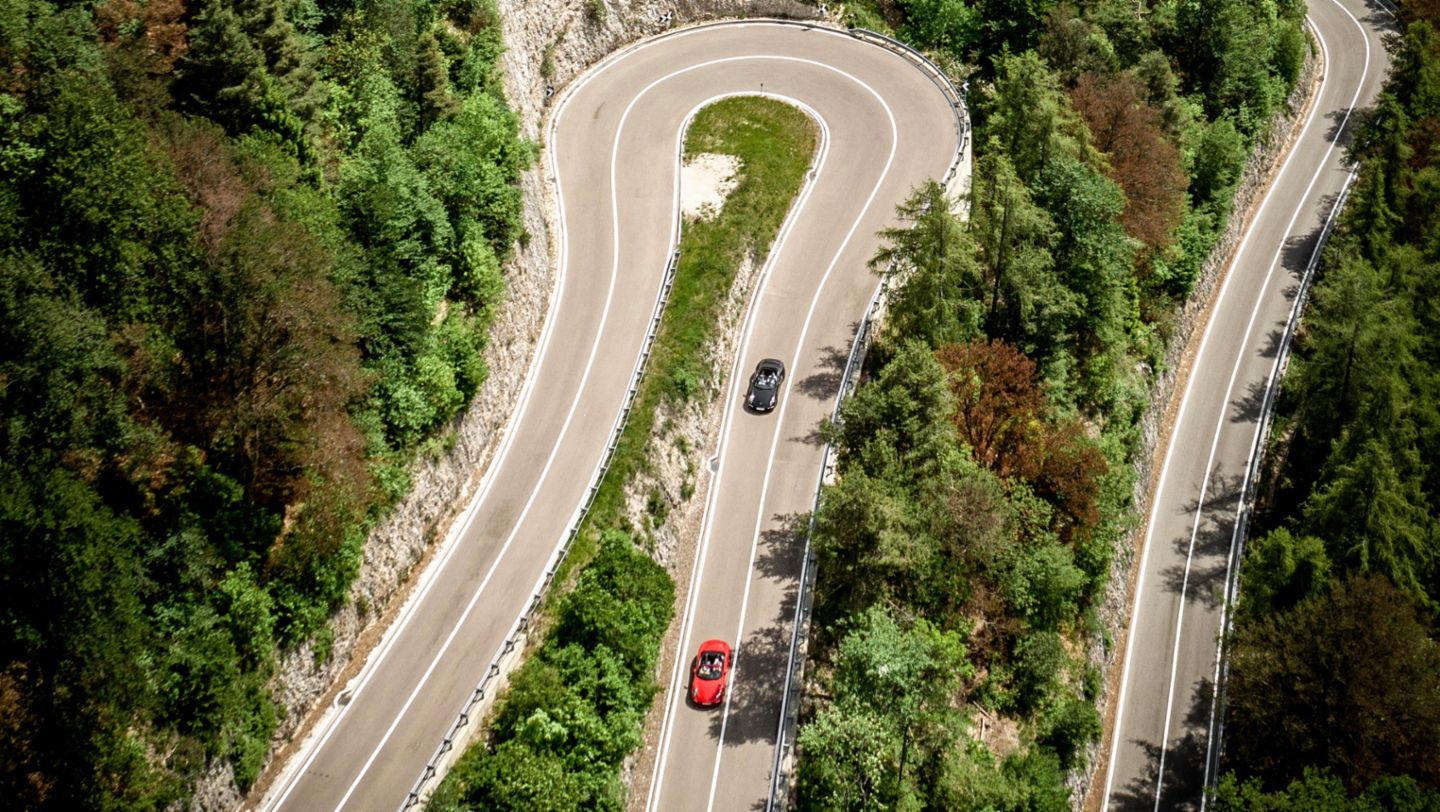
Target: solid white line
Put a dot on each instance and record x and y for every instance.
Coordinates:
(1213, 740)
(779, 421)
(544, 473)
(1165, 470)
(712, 493)
(674, 693)
(431, 574)
(291, 774)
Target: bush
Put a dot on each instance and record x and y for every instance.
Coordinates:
(574, 710)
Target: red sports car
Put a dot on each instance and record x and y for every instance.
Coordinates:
(710, 673)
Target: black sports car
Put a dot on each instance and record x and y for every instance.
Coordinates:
(764, 390)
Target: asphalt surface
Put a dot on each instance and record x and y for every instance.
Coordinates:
(1165, 735)
(885, 129)
(614, 151)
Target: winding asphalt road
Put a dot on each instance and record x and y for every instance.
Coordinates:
(614, 154)
(885, 128)
(1163, 746)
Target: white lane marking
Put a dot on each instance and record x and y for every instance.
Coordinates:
(544, 472)
(676, 694)
(712, 493)
(296, 769)
(1179, 621)
(775, 432)
(431, 575)
(775, 437)
(564, 430)
(1212, 739)
(1169, 455)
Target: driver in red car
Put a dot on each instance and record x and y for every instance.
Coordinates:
(710, 673)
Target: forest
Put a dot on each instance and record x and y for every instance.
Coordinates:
(985, 461)
(1340, 583)
(250, 253)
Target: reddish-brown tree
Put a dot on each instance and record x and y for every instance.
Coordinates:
(160, 22)
(998, 407)
(1065, 467)
(1003, 416)
(1142, 160)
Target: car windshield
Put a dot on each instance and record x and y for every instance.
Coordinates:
(711, 664)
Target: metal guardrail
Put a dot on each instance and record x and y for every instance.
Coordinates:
(1257, 453)
(941, 80)
(522, 623)
(804, 604)
(1257, 449)
(800, 631)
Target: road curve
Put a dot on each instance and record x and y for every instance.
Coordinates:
(1163, 743)
(613, 151)
(885, 127)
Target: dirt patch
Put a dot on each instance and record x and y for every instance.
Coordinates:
(705, 181)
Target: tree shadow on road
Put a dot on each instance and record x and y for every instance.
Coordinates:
(1185, 758)
(1381, 16)
(764, 653)
(1246, 408)
(759, 684)
(823, 384)
(1209, 561)
(1342, 131)
(777, 557)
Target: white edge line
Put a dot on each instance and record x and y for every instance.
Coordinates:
(1213, 739)
(1170, 451)
(295, 768)
(1224, 412)
(779, 420)
(312, 746)
(1233, 563)
(544, 473)
(732, 391)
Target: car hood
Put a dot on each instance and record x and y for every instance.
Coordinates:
(707, 691)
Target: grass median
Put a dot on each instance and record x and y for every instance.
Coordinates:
(576, 708)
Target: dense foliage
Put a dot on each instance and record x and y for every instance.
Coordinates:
(1340, 590)
(985, 464)
(250, 251)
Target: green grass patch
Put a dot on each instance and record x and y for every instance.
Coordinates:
(577, 706)
(775, 143)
